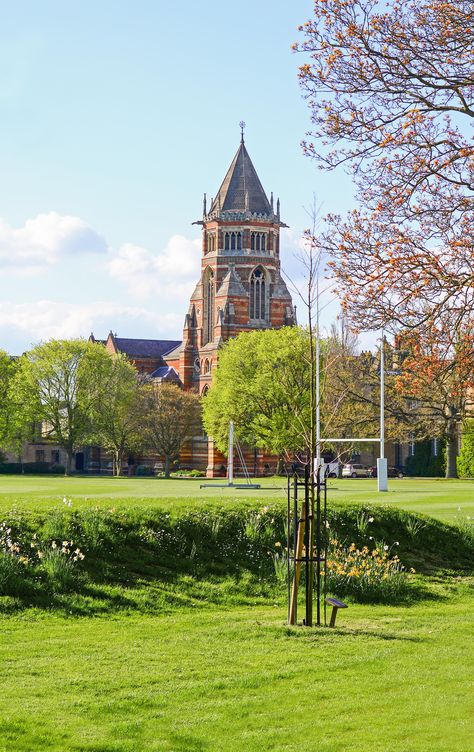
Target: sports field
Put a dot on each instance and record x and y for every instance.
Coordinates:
(444, 499)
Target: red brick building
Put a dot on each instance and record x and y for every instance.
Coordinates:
(240, 289)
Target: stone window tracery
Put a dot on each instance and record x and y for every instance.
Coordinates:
(208, 317)
(258, 241)
(258, 303)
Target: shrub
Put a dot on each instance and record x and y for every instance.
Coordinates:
(424, 463)
(465, 461)
(144, 470)
(10, 468)
(36, 467)
(188, 474)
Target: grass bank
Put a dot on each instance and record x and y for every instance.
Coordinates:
(154, 560)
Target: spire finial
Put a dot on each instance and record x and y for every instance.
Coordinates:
(242, 126)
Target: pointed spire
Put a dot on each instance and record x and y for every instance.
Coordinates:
(204, 206)
(242, 178)
(271, 201)
(278, 207)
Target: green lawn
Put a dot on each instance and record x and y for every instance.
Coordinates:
(187, 653)
(436, 497)
(391, 679)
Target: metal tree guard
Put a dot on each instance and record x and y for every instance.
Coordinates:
(306, 523)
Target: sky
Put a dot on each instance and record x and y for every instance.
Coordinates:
(115, 118)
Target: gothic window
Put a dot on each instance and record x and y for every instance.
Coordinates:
(208, 318)
(207, 367)
(257, 307)
(204, 392)
(258, 241)
(232, 241)
(239, 241)
(227, 241)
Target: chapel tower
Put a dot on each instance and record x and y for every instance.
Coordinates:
(240, 288)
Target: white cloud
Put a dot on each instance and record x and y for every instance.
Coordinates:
(22, 325)
(45, 239)
(167, 275)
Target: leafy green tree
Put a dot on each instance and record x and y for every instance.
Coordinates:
(7, 418)
(262, 384)
(171, 417)
(466, 455)
(58, 384)
(117, 417)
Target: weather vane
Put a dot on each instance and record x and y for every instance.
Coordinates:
(242, 126)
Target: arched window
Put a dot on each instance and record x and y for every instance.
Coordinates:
(239, 241)
(205, 391)
(252, 241)
(227, 241)
(208, 318)
(263, 241)
(207, 367)
(232, 241)
(257, 241)
(257, 307)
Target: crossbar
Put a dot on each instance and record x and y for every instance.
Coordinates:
(348, 441)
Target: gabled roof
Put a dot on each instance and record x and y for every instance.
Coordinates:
(231, 284)
(165, 373)
(145, 348)
(241, 189)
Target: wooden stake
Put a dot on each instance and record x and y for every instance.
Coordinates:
(297, 572)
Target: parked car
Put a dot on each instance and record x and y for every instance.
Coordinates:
(392, 472)
(354, 470)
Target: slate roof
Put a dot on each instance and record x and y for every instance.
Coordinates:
(165, 373)
(231, 284)
(242, 180)
(145, 348)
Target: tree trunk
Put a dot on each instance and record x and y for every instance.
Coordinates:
(167, 466)
(117, 463)
(451, 450)
(69, 456)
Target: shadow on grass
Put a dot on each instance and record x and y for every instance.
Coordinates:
(314, 634)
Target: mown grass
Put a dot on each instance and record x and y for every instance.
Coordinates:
(435, 497)
(388, 678)
(172, 636)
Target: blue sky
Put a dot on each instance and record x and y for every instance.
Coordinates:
(115, 117)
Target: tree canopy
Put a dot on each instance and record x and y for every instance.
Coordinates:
(58, 383)
(171, 417)
(262, 385)
(391, 93)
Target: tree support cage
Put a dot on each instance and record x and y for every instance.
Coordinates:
(307, 546)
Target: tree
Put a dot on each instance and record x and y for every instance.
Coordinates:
(391, 91)
(7, 417)
(441, 381)
(171, 417)
(117, 417)
(262, 384)
(57, 384)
